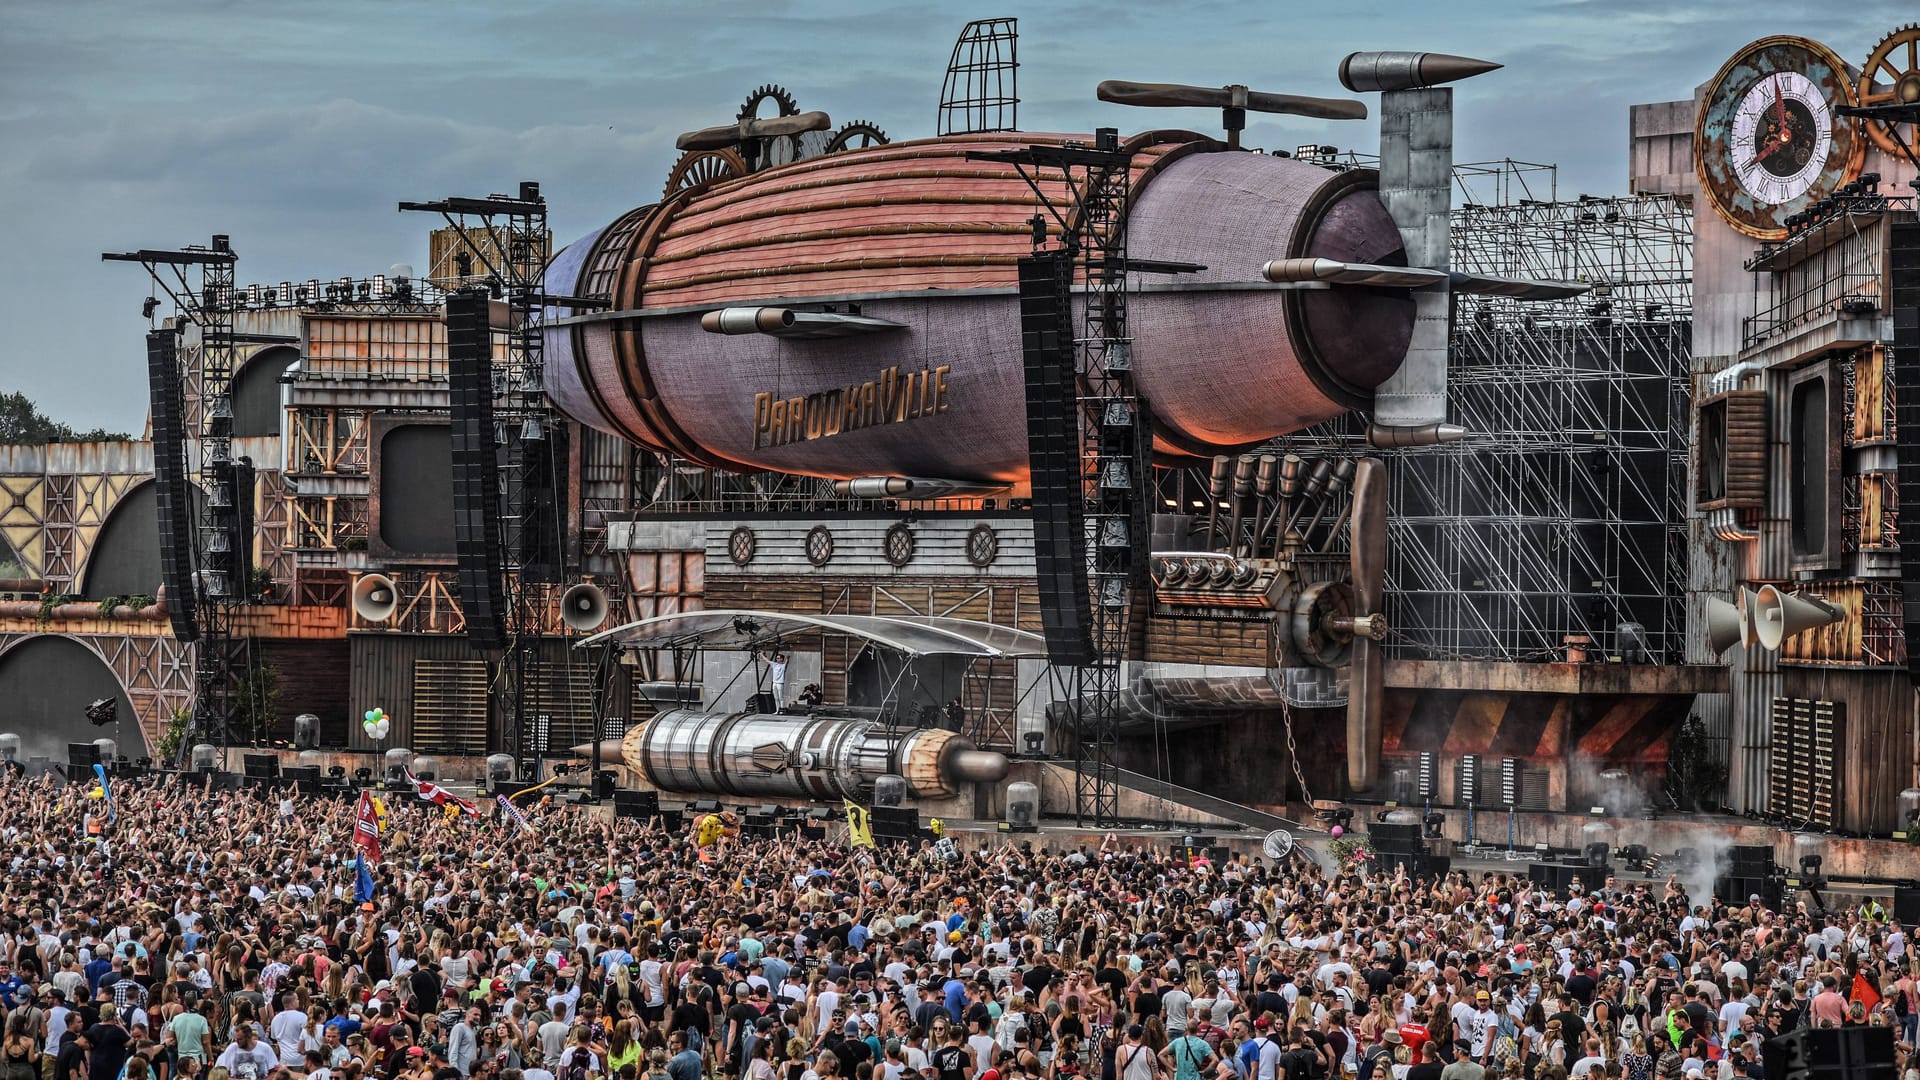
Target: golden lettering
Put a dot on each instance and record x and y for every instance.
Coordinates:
(761, 403)
(892, 396)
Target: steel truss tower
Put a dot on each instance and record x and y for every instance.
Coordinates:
(504, 240)
(223, 523)
(1563, 513)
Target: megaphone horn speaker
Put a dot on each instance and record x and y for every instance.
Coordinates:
(374, 597)
(1748, 600)
(583, 607)
(1778, 616)
(1726, 625)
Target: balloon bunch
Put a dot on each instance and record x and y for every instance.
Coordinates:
(377, 723)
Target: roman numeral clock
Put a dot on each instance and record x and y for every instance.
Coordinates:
(1769, 142)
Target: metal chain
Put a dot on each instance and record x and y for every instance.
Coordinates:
(1293, 752)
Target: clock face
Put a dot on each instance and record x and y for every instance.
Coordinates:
(1782, 134)
(1769, 141)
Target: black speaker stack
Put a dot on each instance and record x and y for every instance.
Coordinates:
(171, 486)
(306, 775)
(1558, 878)
(1400, 846)
(1749, 873)
(1845, 1053)
(476, 468)
(639, 805)
(1053, 450)
(1903, 252)
(1906, 904)
(894, 824)
(761, 822)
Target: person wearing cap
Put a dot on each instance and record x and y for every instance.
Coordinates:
(1260, 1055)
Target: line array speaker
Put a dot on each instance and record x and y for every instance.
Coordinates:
(1904, 285)
(1053, 450)
(172, 495)
(476, 468)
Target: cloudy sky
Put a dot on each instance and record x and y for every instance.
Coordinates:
(296, 127)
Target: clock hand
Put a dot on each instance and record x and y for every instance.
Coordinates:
(1779, 104)
(1772, 145)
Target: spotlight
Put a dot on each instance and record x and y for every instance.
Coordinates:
(1810, 865)
(744, 626)
(1434, 823)
(148, 307)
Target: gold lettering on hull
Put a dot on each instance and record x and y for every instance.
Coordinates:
(892, 397)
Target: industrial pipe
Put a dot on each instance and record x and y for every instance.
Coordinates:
(816, 757)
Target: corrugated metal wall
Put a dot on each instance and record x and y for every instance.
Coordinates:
(405, 673)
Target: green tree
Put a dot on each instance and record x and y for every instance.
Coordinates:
(22, 423)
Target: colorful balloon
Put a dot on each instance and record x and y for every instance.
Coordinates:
(1338, 832)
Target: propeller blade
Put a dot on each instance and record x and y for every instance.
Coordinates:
(1302, 105)
(719, 138)
(1369, 525)
(1364, 705)
(1369, 564)
(1178, 95)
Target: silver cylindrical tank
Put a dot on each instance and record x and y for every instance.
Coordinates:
(759, 754)
(108, 751)
(396, 762)
(9, 747)
(205, 756)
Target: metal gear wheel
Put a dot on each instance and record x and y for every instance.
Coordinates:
(770, 92)
(856, 136)
(1895, 65)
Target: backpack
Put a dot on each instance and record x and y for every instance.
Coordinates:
(575, 1067)
(1376, 1065)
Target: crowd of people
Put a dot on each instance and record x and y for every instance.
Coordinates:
(174, 932)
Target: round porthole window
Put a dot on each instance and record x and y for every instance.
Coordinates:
(819, 545)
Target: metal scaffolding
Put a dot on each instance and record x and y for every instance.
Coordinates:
(1562, 515)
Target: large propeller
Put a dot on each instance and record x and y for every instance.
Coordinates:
(1233, 101)
(773, 127)
(1369, 567)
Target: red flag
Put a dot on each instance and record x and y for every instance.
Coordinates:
(366, 827)
(1864, 992)
(434, 793)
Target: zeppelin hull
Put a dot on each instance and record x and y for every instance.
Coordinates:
(915, 235)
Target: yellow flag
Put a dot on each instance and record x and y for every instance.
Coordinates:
(859, 827)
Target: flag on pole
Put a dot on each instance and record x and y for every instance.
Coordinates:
(366, 826)
(513, 813)
(105, 790)
(362, 880)
(859, 825)
(428, 791)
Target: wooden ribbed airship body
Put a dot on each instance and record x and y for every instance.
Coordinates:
(855, 314)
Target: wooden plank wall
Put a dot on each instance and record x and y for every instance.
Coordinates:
(1876, 754)
(310, 682)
